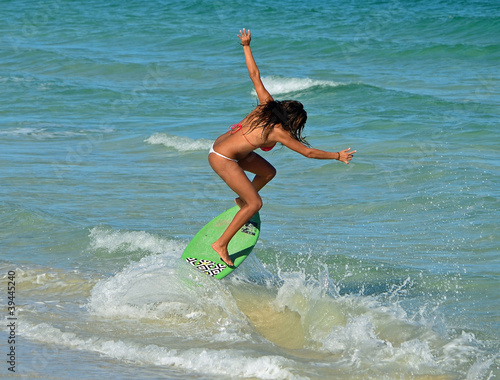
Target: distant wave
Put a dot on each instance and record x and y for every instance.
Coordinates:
(53, 131)
(182, 144)
(281, 85)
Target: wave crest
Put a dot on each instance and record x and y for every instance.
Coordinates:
(130, 241)
(280, 85)
(179, 143)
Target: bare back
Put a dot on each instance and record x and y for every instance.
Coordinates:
(241, 140)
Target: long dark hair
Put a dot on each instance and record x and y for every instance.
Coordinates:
(290, 114)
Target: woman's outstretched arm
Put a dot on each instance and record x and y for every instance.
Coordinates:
(263, 95)
(284, 137)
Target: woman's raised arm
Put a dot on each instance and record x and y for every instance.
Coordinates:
(263, 95)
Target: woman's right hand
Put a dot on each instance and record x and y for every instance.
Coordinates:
(245, 37)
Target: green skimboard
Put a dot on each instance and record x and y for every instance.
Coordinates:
(200, 254)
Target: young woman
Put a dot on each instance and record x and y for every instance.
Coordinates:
(233, 153)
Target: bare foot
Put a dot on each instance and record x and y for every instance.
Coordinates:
(223, 253)
(240, 202)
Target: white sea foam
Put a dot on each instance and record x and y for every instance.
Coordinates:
(365, 331)
(224, 362)
(129, 241)
(280, 85)
(161, 287)
(358, 331)
(174, 302)
(179, 143)
(158, 288)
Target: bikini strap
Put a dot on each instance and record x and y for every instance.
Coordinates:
(246, 138)
(235, 128)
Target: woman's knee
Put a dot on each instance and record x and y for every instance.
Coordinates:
(268, 174)
(271, 173)
(254, 204)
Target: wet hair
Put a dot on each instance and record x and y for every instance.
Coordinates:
(290, 114)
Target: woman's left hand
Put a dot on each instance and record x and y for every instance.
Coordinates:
(346, 155)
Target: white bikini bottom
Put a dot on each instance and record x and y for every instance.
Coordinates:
(220, 155)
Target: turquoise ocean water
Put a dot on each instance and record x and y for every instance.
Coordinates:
(387, 268)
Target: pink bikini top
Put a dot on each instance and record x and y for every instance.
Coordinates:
(237, 127)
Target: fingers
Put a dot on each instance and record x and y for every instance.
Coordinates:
(348, 155)
(244, 34)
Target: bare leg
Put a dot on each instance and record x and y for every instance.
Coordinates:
(263, 170)
(234, 176)
(239, 202)
(239, 220)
